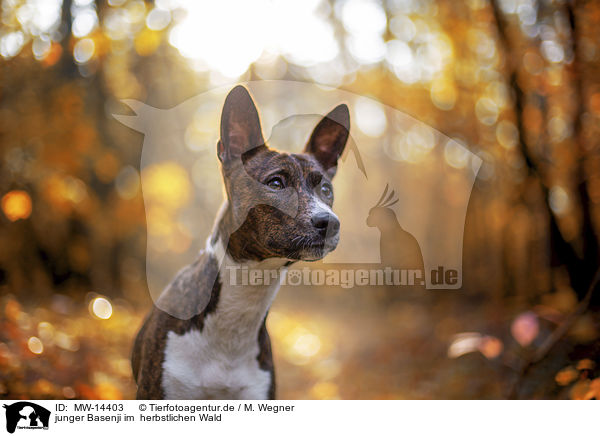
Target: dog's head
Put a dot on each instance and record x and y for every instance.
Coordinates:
(279, 204)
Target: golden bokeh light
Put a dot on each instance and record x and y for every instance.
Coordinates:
(167, 184)
(443, 94)
(307, 345)
(127, 182)
(146, 42)
(46, 332)
(324, 391)
(101, 308)
(35, 345)
(16, 205)
(84, 50)
(66, 342)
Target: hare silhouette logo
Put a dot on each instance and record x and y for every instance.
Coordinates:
(26, 415)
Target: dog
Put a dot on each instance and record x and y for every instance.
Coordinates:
(277, 211)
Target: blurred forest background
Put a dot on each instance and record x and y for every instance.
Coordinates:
(516, 81)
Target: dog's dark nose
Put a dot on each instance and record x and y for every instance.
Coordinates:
(325, 221)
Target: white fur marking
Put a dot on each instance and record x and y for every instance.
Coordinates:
(220, 362)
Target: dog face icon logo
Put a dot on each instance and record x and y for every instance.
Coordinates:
(420, 226)
(26, 415)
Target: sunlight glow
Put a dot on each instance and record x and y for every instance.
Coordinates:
(365, 22)
(39, 16)
(84, 22)
(302, 34)
(370, 117)
(403, 28)
(11, 44)
(158, 19)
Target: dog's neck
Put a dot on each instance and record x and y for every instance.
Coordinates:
(242, 308)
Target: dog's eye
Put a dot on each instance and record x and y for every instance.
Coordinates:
(275, 183)
(326, 190)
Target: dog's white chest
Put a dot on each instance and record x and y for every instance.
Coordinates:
(195, 369)
(221, 361)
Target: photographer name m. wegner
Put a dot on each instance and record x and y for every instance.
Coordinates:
(345, 278)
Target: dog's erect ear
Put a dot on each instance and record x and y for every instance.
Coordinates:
(240, 125)
(329, 138)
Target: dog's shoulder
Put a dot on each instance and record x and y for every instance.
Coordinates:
(191, 290)
(196, 288)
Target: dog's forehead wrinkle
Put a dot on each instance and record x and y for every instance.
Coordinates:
(309, 164)
(270, 160)
(290, 161)
(261, 158)
(281, 163)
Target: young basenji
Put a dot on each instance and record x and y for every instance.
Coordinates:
(277, 211)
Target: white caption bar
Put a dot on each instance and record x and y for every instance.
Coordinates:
(299, 417)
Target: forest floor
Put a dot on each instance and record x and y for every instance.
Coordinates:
(328, 344)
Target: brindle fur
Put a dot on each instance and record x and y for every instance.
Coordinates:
(266, 231)
(248, 242)
(190, 286)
